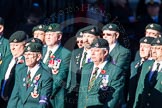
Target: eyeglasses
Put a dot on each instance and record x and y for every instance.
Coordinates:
(79, 41)
(108, 34)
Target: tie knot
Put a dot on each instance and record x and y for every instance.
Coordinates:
(157, 68)
(96, 68)
(85, 53)
(29, 72)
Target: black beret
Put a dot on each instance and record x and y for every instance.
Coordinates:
(33, 47)
(100, 43)
(147, 40)
(34, 40)
(111, 27)
(18, 36)
(92, 29)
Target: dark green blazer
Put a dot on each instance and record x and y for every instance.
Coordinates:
(121, 56)
(4, 48)
(59, 79)
(146, 95)
(74, 69)
(92, 97)
(21, 97)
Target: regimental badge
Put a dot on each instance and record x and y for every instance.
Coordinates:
(97, 45)
(28, 48)
(158, 41)
(145, 40)
(50, 28)
(33, 40)
(81, 33)
(15, 40)
(40, 27)
(151, 25)
(54, 64)
(77, 58)
(110, 27)
(92, 30)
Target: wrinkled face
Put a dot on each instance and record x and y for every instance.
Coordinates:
(39, 34)
(79, 42)
(88, 39)
(151, 33)
(153, 10)
(98, 55)
(110, 36)
(145, 50)
(158, 51)
(32, 58)
(52, 38)
(17, 49)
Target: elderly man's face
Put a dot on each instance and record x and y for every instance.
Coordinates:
(145, 50)
(110, 36)
(39, 34)
(151, 33)
(88, 39)
(98, 55)
(32, 58)
(17, 49)
(52, 38)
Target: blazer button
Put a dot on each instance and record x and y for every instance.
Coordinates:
(148, 104)
(149, 94)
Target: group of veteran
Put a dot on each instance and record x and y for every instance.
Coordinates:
(41, 72)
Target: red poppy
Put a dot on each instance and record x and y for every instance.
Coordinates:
(52, 56)
(103, 71)
(37, 77)
(51, 61)
(20, 61)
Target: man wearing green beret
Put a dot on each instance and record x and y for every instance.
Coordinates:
(102, 82)
(79, 39)
(33, 84)
(4, 44)
(39, 32)
(148, 93)
(79, 58)
(11, 63)
(136, 66)
(57, 58)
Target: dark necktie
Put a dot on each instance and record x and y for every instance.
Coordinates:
(49, 54)
(84, 59)
(154, 76)
(94, 74)
(28, 79)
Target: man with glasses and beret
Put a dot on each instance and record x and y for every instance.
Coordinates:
(33, 84)
(79, 58)
(11, 63)
(102, 82)
(149, 92)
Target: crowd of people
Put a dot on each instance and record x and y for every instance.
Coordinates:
(99, 67)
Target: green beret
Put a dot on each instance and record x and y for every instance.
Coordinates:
(157, 41)
(40, 27)
(1, 21)
(34, 40)
(18, 36)
(80, 33)
(153, 2)
(154, 26)
(92, 29)
(33, 47)
(54, 27)
(147, 40)
(111, 27)
(100, 43)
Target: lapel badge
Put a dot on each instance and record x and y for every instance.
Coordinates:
(15, 40)
(151, 25)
